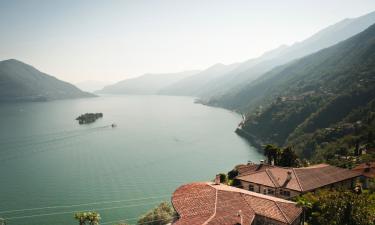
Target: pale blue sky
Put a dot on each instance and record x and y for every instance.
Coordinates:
(113, 40)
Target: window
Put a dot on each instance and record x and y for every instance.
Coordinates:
(271, 192)
(251, 187)
(285, 193)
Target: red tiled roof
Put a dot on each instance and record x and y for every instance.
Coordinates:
(366, 169)
(209, 204)
(252, 168)
(302, 179)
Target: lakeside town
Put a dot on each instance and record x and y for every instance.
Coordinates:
(266, 193)
(164, 112)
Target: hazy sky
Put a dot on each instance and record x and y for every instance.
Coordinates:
(112, 40)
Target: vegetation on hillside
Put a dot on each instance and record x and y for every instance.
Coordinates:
(317, 103)
(333, 207)
(22, 82)
(160, 215)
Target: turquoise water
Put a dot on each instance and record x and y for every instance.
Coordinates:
(48, 160)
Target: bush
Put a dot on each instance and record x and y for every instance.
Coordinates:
(161, 215)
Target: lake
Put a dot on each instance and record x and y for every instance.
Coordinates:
(51, 167)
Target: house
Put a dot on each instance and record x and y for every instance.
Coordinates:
(286, 183)
(367, 171)
(211, 203)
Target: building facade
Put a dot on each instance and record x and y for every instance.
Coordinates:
(287, 183)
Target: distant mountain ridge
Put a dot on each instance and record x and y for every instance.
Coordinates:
(195, 85)
(147, 84)
(92, 85)
(22, 82)
(218, 89)
(316, 102)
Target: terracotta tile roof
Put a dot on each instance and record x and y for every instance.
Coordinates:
(321, 175)
(252, 168)
(301, 179)
(209, 204)
(366, 169)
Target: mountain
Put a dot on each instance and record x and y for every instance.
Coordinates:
(321, 104)
(216, 90)
(22, 82)
(196, 84)
(145, 84)
(92, 85)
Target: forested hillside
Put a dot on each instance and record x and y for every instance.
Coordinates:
(22, 82)
(316, 102)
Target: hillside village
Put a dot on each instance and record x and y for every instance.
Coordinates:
(307, 129)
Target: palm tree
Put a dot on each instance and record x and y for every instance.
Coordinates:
(305, 205)
(270, 151)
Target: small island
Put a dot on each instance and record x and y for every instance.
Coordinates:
(89, 117)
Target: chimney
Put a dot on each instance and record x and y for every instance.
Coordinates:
(217, 179)
(288, 178)
(289, 175)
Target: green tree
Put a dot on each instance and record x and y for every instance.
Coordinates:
(340, 207)
(270, 151)
(370, 137)
(288, 158)
(232, 174)
(305, 205)
(93, 218)
(161, 215)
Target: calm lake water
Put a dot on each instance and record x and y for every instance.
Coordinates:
(49, 161)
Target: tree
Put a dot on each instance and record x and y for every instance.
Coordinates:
(232, 174)
(288, 158)
(305, 205)
(270, 151)
(370, 137)
(223, 178)
(161, 215)
(92, 218)
(340, 207)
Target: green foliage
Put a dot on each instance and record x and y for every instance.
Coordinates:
(271, 152)
(323, 104)
(92, 218)
(338, 207)
(281, 157)
(223, 178)
(22, 82)
(288, 158)
(161, 215)
(232, 174)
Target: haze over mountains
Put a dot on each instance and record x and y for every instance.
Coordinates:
(314, 103)
(216, 84)
(22, 82)
(92, 85)
(145, 84)
(250, 70)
